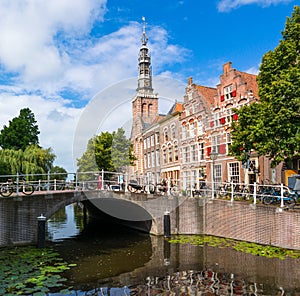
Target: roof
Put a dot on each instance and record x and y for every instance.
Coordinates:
(177, 107)
(207, 92)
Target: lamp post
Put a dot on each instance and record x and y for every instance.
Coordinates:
(213, 157)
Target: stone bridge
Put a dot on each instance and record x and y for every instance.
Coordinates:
(257, 223)
(18, 215)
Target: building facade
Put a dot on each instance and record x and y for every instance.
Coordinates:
(179, 145)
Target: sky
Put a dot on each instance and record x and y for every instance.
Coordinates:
(74, 62)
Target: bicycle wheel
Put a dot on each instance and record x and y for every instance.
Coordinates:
(174, 190)
(6, 189)
(150, 188)
(131, 188)
(267, 200)
(27, 189)
(91, 184)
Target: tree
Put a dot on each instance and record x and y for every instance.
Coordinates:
(97, 155)
(34, 160)
(21, 132)
(107, 151)
(272, 127)
(122, 151)
(58, 173)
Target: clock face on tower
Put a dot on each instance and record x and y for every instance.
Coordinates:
(147, 83)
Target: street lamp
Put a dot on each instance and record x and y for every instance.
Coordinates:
(213, 157)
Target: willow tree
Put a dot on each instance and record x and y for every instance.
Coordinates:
(272, 127)
(33, 160)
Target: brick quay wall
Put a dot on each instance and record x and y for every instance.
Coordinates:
(268, 225)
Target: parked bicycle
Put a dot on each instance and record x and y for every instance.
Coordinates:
(203, 190)
(274, 197)
(11, 186)
(162, 188)
(134, 187)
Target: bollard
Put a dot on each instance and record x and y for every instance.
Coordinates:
(167, 225)
(41, 231)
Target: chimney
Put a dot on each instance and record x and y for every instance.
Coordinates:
(190, 80)
(227, 67)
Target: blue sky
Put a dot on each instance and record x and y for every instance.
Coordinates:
(74, 62)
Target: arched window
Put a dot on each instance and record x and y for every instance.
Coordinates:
(150, 109)
(144, 109)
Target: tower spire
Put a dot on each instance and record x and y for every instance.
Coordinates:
(144, 38)
(145, 75)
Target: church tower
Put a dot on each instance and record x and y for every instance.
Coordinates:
(145, 102)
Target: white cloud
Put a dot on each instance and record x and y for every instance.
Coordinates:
(227, 5)
(31, 30)
(50, 63)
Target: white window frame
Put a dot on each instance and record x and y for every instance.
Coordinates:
(234, 173)
(215, 143)
(227, 92)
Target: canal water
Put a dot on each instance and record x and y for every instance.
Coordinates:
(112, 260)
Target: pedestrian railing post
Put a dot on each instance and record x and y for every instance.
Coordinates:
(48, 181)
(126, 182)
(169, 186)
(254, 192)
(232, 193)
(76, 181)
(281, 196)
(102, 178)
(17, 182)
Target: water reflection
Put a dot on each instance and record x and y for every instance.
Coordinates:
(66, 222)
(112, 260)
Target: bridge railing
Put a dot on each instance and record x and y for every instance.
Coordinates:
(253, 193)
(102, 180)
(105, 180)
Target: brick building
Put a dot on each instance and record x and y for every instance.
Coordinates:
(180, 144)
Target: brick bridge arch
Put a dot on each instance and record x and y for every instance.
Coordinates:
(18, 215)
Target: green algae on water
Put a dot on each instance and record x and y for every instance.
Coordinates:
(242, 246)
(30, 271)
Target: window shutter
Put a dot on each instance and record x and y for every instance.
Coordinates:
(211, 124)
(222, 98)
(222, 120)
(222, 149)
(208, 151)
(235, 117)
(233, 94)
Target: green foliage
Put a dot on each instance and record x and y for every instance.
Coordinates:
(28, 270)
(241, 246)
(107, 151)
(273, 127)
(33, 160)
(58, 173)
(122, 151)
(21, 132)
(103, 147)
